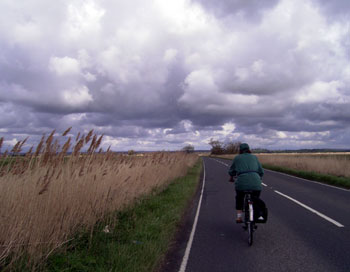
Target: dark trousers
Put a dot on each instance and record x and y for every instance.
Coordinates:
(240, 198)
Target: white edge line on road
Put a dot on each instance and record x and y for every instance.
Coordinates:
(319, 183)
(316, 182)
(301, 204)
(311, 209)
(190, 240)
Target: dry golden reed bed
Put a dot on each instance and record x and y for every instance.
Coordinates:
(335, 164)
(46, 197)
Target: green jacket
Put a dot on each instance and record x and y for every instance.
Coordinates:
(249, 171)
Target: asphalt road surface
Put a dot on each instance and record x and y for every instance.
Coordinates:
(308, 227)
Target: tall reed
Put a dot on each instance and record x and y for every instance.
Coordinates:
(48, 195)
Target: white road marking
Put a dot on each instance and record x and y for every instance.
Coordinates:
(221, 162)
(298, 202)
(311, 209)
(316, 182)
(190, 240)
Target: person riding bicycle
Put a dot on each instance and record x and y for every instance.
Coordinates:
(249, 172)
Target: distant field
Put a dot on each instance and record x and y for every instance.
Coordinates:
(47, 197)
(335, 164)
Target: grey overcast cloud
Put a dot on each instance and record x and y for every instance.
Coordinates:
(158, 75)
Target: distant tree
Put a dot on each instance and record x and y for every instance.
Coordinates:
(188, 148)
(232, 147)
(131, 152)
(216, 147)
(260, 150)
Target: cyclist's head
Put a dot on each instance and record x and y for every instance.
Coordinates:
(244, 148)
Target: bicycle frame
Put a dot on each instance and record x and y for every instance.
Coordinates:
(248, 208)
(249, 223)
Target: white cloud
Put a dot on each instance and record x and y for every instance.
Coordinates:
(242, 74)
(84, 59)
(281, 134)
(182, 16)
(83, 19)
(202, 93)
(77, 97)
(27, 33)
(227, 129)
(65, 66)
(173, 72)
(320, 91)
(187, 124)
(11, 142)
(258, 68)
(170, 55)
(89, 77)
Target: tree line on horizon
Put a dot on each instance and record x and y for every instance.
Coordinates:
(231, 147)
(220, 148)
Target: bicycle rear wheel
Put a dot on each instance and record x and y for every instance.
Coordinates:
(250, 226)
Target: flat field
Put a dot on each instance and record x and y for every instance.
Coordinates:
(334, 164)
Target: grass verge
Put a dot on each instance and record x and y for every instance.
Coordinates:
(140, 238)
(328, 179)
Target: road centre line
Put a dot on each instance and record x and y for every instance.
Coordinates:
(301, 204)
(316, 182)
(221, 162)
(190, 240)
(311, 209)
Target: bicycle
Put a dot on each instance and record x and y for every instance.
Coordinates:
(248, 211)
(250, 219)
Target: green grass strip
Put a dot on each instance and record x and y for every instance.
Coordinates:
(141, 237)
(332, 180)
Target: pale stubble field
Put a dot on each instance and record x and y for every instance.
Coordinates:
(335, 164)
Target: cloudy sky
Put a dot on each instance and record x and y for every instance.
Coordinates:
(157, 75)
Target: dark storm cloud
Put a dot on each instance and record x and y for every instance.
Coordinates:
(251, 9)
(274, 73)
(335, 8)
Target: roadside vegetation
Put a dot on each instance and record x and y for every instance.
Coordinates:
(137, 239)
(48, 195)
(331, 168)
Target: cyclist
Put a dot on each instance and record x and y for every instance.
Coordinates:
(249, 172)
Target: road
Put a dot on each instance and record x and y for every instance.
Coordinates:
(308, 227)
